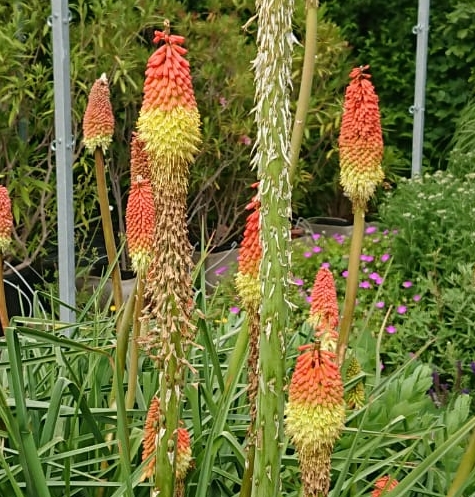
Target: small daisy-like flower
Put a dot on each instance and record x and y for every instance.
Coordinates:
(234, 310)
(307, 254)
(407, 284)
(326, 265)
(298, 281)
(380, 304)
(374, 276)
(316, 249)
(383, 486)
(365, 284)
(316, 236)
(6, 220)
(98, 123)
(416, 298)
(391, 329)
(385, 257)
(370, 229)
(345, 273)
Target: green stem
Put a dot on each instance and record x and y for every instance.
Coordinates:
(3, 303)
(466, 466)
(351, 283)
(107, 228)
(134, 347)
(272, 66)
(305, 86)
(171, 379)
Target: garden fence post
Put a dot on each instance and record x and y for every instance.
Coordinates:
(421, 29)
(63, 145)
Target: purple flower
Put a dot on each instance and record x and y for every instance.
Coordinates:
(345, 273)
(325, 265)
(221, 270)
(380, 304)
(316, 236)
(366, 258)
(395, 232)
(370, 229)
(365, 284)
(374, 276)
(401, 309)
(234, 310)
(385, 232)
(339, 238)
(391, 329)
(379, 280)
(308, 299)
(307, 254)
(223, 102)
(416, 297)
(385, 257)
(317, 249)
(298, 281)
(407, 284)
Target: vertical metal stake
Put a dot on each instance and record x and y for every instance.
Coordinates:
(64, 157)
(422, 31)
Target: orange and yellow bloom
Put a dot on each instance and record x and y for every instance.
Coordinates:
(383, 486)
(98, 122)
(361, 140)
(6, 220)
(315, 415)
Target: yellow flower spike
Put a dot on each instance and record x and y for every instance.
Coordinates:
(6, 220)
(140, 224)
(314, 415)
(355, 396)
(98, 123)
(360, 141)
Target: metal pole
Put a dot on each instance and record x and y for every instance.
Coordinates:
(63, 145)
(422, 31)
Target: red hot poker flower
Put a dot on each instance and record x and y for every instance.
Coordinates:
(98, 123)
(384, 484)
(6, 220)
(360, 141)
(324, 314)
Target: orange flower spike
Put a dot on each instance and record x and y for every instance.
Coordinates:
(150, 436)
(383, 486)
(249, 258)
(6, 220)
(361, 140)
(183, 453)
(98, 123)
(315, 415)
(138, 159)
(169, 122)
(324, 314)
(140, 223)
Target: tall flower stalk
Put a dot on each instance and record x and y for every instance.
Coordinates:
(169, 127)
(98, 128)
(361, 153)
(272, 68)
(6, 226)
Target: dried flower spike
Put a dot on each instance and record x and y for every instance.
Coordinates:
(6, 220)
(383, 486)
(324, 314)
(140, 224)
(138, 159)
(98, 123)
(315, 415)
(360, 141)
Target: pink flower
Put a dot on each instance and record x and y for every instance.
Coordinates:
(416, 298)
(374, 276)
(234, 310)
(345, 273)
(308, 298)
(325, 264)
(298, 281)
(245, 140)
(317, 249)
(365, 284)
(407, 284)
(380, 304)
(307, 254)
(366, 258)
(223, 102)
(221, 270)
(385, 257)
(316, 236)
(391, 329)
(379, 280)
(370, 229)
(401, 309)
